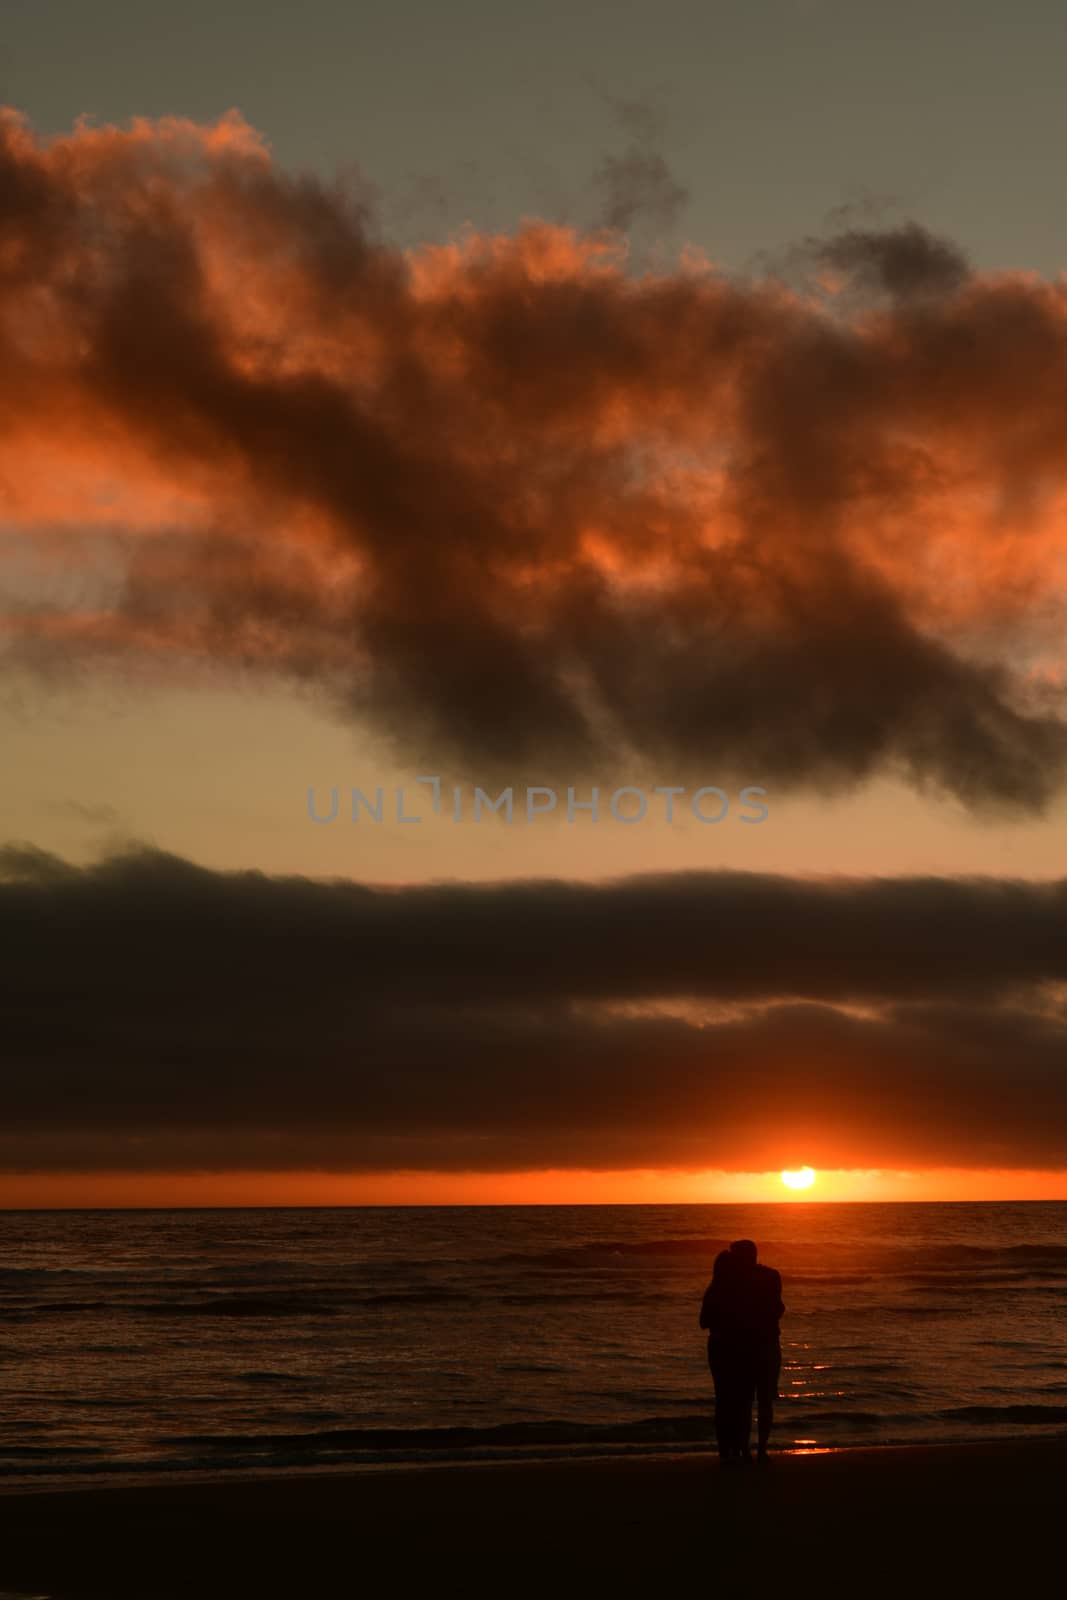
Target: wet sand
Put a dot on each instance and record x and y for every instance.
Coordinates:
(934, 1520)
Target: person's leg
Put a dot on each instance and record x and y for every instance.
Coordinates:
(733, 1404)
(746, 1395)
(731, 1385)
(720, 1381)
(766, 1395)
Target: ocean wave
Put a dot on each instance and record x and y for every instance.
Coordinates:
(530, 1366)
(503, 1434)
(420, 1294)
(848, 1419)
(831, 1280)
(1011, 1413)
(14, 1277)
(282, 1379)
(687, 1428)
(240, 1305)
(595, 1252)
(30, 1452)
(801, 1261)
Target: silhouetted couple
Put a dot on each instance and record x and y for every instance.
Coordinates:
(741, 1309)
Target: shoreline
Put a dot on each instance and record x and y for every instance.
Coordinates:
(295, 1471)
(965, 1511)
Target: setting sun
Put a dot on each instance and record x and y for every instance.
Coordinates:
(802, 1178)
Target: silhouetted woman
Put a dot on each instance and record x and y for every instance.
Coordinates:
(729, 1359)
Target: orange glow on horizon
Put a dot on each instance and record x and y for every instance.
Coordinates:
(75, 1190)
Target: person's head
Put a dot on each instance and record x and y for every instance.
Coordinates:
(724, 1265)
(744, 1252)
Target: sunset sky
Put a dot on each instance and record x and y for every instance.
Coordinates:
(532, 399)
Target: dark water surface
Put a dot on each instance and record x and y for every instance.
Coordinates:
(168, 1341)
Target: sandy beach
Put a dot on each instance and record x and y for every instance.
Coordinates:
(861, 1520)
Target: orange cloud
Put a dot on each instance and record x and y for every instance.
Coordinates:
(501, 496)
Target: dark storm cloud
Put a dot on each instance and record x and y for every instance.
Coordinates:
(513, 506)
(639, 185)
(905, 261)
(159, 1013)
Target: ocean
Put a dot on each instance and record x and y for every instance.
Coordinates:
(152, 1343)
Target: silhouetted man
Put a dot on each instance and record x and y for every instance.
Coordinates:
(741, 1311)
